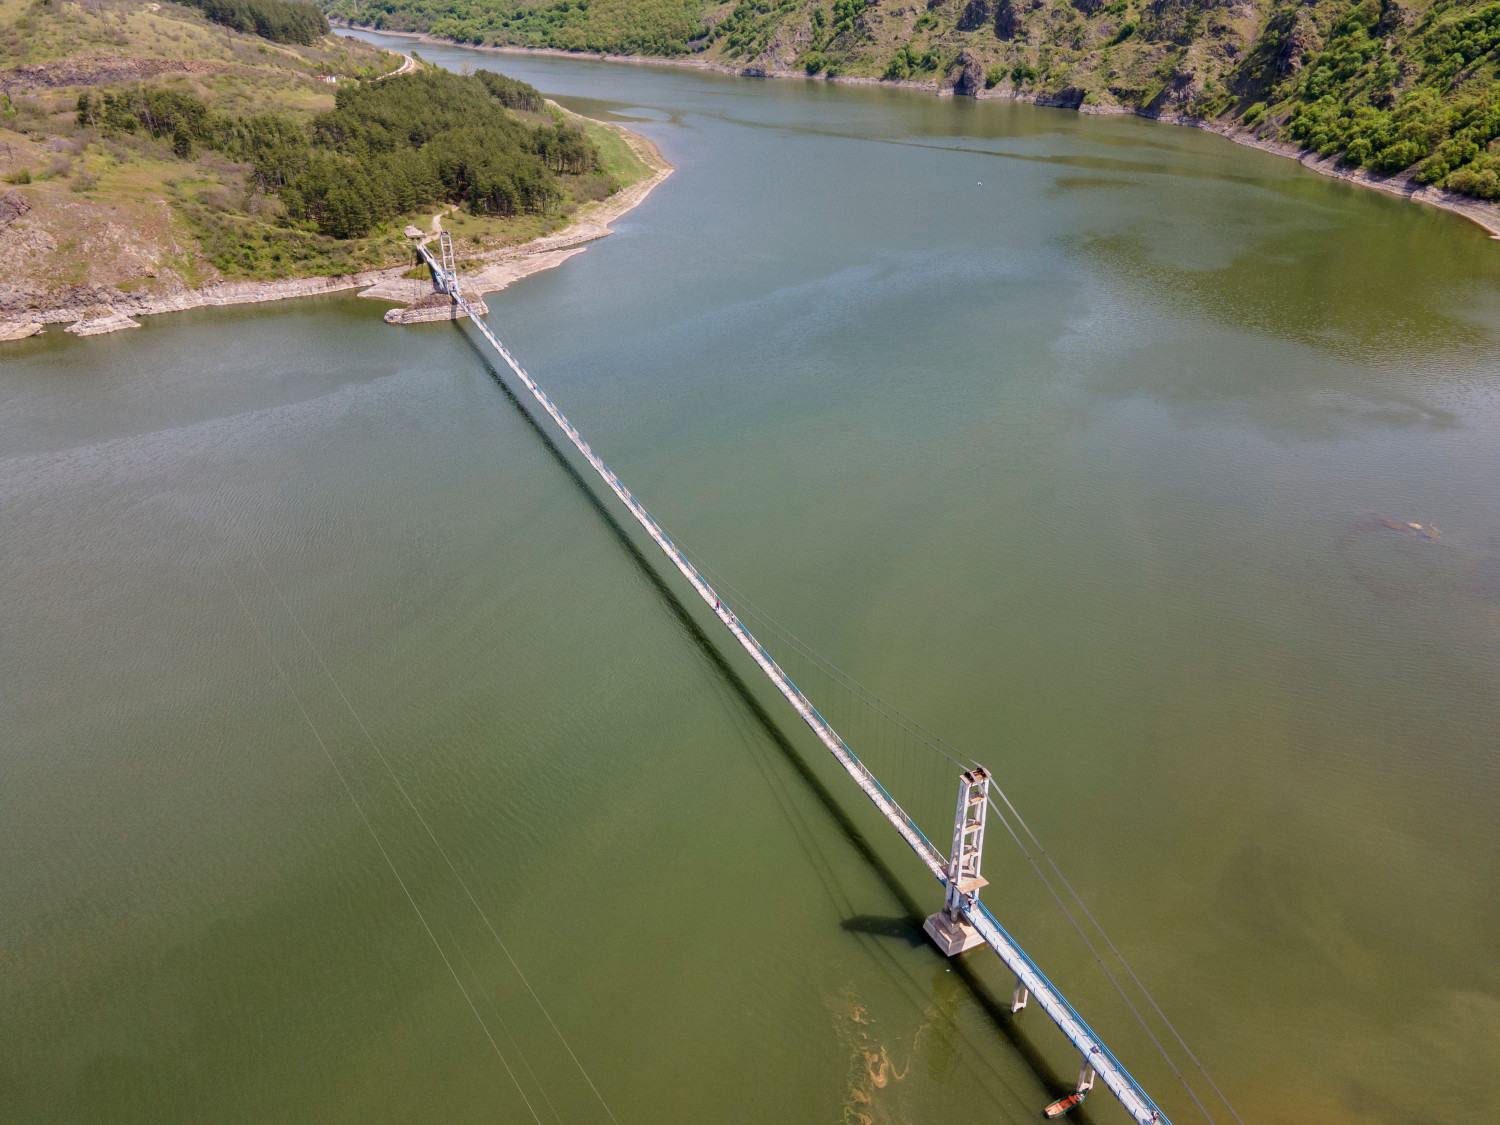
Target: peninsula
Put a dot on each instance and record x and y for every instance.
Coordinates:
(157, 157)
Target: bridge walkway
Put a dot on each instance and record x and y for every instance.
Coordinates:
(1094, 1053)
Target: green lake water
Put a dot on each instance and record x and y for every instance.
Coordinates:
(1068, 436)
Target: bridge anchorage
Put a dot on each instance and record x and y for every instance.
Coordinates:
(964, 923)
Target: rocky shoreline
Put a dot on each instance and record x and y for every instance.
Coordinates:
(90, 311)
(1486, 215)
(1404, 184)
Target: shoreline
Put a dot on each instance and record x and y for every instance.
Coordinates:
(94, 311)
(509, 264)
(1402, 184)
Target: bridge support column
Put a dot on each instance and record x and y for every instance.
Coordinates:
(947, 927)
(1019, 997)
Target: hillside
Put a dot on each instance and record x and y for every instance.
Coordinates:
(149, 148)
(1389, 84)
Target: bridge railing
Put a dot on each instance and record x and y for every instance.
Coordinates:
(1118, 1080)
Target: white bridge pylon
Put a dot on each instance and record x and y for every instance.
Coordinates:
(958, 872)
(949, 928)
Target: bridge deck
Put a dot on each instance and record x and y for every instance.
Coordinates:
(1115, 1077)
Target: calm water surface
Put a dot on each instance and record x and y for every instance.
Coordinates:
(1064, 434)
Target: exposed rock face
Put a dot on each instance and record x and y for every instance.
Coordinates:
(12, 206)
(1302, 39)
(19, 329)
(1185, 90)
(780, 54)
(968, 74)
(83, 302)
(1069, 97)
(1007, 20)
(1393, 17)
(101, 321)
(100, 70)
(975, 15)
(1087, 7)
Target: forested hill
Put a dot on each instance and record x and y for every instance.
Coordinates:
(1390, 84)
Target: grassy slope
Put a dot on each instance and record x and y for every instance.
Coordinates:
(623, 163)
(125, 213)
(1376, 80)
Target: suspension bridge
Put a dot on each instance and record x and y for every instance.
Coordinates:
(964, 922)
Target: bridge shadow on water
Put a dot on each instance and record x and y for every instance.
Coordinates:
(906, 926)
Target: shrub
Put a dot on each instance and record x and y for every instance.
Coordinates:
(385, 149)
(906, 61)
(1479, 179)
(281, 21)
(511, 92)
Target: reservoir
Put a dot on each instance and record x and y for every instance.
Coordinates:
(362, 761)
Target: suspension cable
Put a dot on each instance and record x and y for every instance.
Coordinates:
(871, 699)
(947, 750)
(344, 783)
(1099, 960)
(1107, 940)
(365, 730)
(287, 683)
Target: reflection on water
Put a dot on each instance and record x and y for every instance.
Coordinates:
(1402, 309)
(1071, 436)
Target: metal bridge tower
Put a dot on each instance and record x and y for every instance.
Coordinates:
(449, 284)
(948, 927)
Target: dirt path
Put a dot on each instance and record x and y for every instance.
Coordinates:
(407, 67)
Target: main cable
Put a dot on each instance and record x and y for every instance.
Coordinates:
(1120, 956)
(365, 730)
(287, 683)
(505, 1027)
(1100, 961)
(348, 790)
(942, 746)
